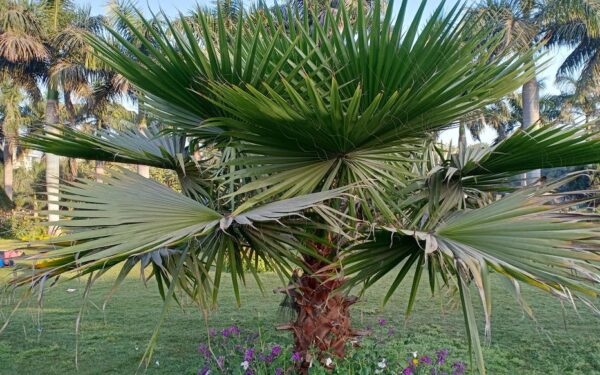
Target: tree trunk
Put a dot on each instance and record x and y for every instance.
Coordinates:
(8, 167)
(322, 313)
(52, 162)
(71, 173)
(462, 136)
(99, 170)
(531, 116)
(143, 170)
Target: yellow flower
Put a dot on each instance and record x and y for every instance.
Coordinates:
(415, 361)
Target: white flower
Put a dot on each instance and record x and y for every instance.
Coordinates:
(382, 364)
(378, 371)
(328, 362)
(415, 354)
(157, 363)
(245, 365)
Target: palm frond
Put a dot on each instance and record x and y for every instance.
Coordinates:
(549, 146)
(146, 146)
(526, 237)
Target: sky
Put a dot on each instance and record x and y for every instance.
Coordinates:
(172, 7)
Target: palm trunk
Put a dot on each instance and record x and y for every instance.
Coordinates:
(99, 170)
(8, 168)
(322, 313)
(531, 116)
(99, 165)
(462, 136)
(71, 173)
(143, 170)
(52, 162)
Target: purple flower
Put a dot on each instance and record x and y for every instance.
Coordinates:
(203, 349)
(278, 371)
(221, 362)
(249, 372)
(296, 357)
(382, 322)
(441, 356)
(458, 368)
(230, 331)
(263, 357)
(276, 351)
(425, 359)
(203, 371)
(407, 371)
(249, 355)
(212, 332)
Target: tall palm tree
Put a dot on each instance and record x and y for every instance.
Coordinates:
(577, 25)
(26, 28)
(519, 23)
(322, 166)
(503, 117)
(75, 67)
(43, 42)
(523, 23)
(578, 102)
(11, 100)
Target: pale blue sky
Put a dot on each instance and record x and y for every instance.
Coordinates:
(173, 6)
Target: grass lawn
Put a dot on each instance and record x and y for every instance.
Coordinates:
(113, 341)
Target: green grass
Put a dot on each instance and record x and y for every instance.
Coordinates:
(113, 341)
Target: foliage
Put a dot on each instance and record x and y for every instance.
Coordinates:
(22, 226)
(317, 150)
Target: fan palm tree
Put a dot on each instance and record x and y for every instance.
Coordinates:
(322, 166)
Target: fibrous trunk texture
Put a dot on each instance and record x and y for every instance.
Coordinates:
(323, 323)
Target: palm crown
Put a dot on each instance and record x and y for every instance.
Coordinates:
(316, 130)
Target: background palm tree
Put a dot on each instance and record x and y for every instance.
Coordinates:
(579, 104)
(11, 119)
(523, 23)
(44, 43)
(575, 25)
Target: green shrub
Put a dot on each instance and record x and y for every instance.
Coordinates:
(22, 227)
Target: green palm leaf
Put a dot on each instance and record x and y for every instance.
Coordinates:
(524, 237)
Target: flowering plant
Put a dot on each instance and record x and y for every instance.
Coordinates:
(233, 350)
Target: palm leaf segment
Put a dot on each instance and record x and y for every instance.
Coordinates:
(525, 237)
(128, 216)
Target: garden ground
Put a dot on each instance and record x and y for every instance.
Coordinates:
(112, 341)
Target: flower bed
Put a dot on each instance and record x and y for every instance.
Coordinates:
(233, 350)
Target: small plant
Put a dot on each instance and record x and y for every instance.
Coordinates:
(21, 226)
(236, 351)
